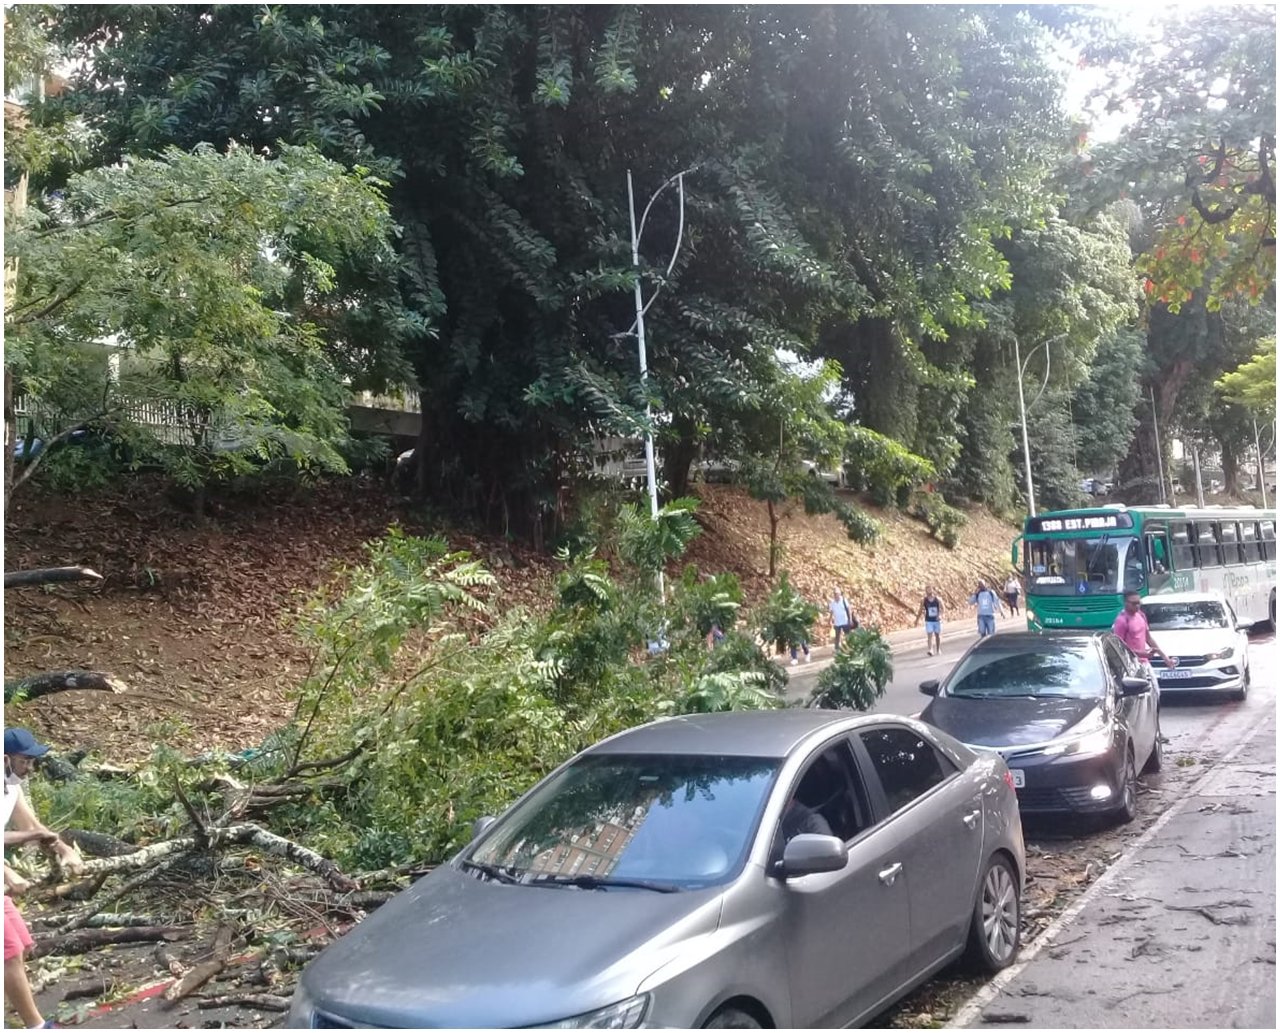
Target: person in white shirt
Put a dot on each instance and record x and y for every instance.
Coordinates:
(841, 617)
(21, 826)
(1011, 592)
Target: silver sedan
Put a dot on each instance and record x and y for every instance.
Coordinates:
(790, 869)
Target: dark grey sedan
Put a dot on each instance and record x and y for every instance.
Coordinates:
(795, 868)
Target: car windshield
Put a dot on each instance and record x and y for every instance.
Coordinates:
(1180, 616)
(645, 820)
(1067, 671)
(1084, 566)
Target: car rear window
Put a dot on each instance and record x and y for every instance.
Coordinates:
(1074, 672)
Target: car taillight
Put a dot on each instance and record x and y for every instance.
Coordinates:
(1008, 780)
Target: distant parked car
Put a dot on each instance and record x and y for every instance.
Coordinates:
(1087, 485)
(1202, 631)
(791, 868)
(832, 477)
(1075, 715)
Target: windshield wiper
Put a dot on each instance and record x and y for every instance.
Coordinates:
(596, 882)
(492, 871)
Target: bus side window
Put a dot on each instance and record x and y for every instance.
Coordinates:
(1227, 539)
(1249, 541)
(1157, 562)
(1267, 534)
(1184, 555)
(1207, 554)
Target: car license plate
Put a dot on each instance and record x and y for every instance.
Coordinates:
(1019, 778)
(1176, 672)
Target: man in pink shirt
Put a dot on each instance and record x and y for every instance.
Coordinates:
(1132, 629)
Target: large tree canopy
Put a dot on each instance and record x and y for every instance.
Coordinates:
(847, 163)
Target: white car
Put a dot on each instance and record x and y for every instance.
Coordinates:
(833, 477)
(1202, 631)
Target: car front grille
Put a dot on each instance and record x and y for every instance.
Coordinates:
(1069, 798)
(1192, 661)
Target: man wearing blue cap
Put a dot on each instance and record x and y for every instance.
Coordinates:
(21, 752)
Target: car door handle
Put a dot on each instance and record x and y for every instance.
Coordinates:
(888, 875)
(971, 819)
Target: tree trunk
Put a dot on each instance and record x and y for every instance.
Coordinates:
(678, 458)
(773, 538)
(20, 690)
(10, 433)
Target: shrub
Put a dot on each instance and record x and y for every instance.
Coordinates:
(738, 690)
(739, 653)
(699, 603)
(858, 675)
(944, 521)
(786, 618)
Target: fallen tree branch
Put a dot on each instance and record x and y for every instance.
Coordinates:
(127, 887)
(49, 576)
(267, 1002)
(206, 970)
(83, 940)
(19, 690)
(227, 835)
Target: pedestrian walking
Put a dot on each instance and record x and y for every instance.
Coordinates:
(988, 604)
(1012, 589)
(1132, 629)
(21, 753)
(841, 616)
(796, 648)
(931, 611)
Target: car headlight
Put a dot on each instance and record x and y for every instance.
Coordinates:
(626, 1014)
(1097, 741)
(1221, 654)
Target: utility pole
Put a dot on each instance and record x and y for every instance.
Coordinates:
(1026, 444)
(1262, 466)
(1155, 428)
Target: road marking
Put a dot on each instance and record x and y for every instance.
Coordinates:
(973, 1009)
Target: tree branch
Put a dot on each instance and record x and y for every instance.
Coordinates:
(55, 440)
(49, 575)
(20, 690)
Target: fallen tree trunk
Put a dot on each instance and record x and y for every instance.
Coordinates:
(227, 835)
(206, 970)
(19, 690)
(88, 939)
(49, 576)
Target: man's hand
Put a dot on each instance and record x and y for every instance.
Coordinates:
(1169, 661)
(16, 884)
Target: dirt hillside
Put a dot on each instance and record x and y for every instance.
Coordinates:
(197, 620)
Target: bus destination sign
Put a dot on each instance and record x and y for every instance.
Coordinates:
(1091, 522)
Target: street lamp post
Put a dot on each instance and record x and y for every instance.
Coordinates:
(1021, 364)
(638, 325)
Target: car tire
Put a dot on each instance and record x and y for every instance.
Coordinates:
(1128, 808)
(733, 1018)
(1271, 612)
(1242, 693)
(1156, 761)
(995, 930)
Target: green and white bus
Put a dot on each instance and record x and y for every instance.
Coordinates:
(1078, 563)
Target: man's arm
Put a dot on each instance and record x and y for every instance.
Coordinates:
(1156, 649)
(29, 829)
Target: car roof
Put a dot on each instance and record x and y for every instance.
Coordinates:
(742, 733)
(1040, 641)
(1185, 597)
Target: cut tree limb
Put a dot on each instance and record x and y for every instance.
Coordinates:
(206, 970)
(83, 940)
(227, 835)
(267, 1002)
(19, 690)
(49, 576)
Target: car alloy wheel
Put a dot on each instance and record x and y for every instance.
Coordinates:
(733, 1018)
(1156, 761)
(996, 927)
(1128, 809)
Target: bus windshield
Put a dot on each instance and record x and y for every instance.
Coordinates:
(1104, 565)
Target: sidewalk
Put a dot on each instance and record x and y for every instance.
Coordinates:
(1180, 933)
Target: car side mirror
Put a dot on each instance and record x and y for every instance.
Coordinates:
(1243, 626)
(481, 824)
(930, 687)
(808, 853)
(1132, 685)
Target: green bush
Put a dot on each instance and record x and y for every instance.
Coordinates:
(944, 521)
(698, 602)
(737, 652)
(739, 690)
(857, 676)
(786, 618)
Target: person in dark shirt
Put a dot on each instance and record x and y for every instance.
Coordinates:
(931, 611)
(799, 818)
